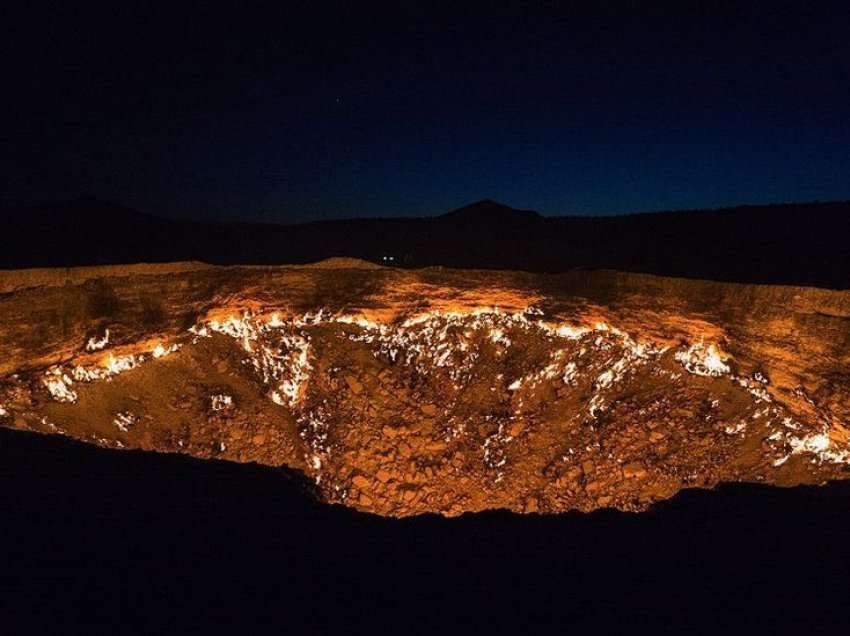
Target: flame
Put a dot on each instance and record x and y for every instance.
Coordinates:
(57, 383)
(703, 360)
(122, 363)
(220, 402)
(160, 351)
(818, 444)
(95, 344)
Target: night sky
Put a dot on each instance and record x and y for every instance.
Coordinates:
(288, 113)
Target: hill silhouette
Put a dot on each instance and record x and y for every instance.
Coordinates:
(797, 244)
(489, 211)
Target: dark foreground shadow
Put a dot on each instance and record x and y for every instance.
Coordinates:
(93, 539)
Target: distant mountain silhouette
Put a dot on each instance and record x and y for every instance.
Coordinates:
(799, 244)
(489, 211)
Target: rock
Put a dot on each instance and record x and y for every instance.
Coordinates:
(573, 474)
(383, 476)
(361, 482)
(354, 384)
(429, 409)
(634, 470)
(592, 487)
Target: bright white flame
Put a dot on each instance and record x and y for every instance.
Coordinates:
(220, 402)
(58, 385)
(703, 360)
(275, 321)
(818, 444)
(123, 363)
(95, 344)
(199, 332)
(736, 428)
(124, 421)
(161, 351)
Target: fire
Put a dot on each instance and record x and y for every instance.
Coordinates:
(700, 359)
(95, 344)
(124, 421)
(160, 351)
(221, 402)
(58, 383)
(122, 363)
(818, 444)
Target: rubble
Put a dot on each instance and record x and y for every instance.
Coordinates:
(451, 392)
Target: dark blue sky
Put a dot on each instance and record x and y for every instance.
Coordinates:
(309, 111)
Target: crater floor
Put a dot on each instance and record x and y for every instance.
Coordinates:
(403, 392)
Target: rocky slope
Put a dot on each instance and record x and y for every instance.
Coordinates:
(436, 390)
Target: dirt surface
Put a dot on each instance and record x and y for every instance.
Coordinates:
(403, 392)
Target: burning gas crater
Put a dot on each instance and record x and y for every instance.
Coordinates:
(402, 392)
(514, 353)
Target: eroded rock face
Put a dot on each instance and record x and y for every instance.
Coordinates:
(443, 391)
